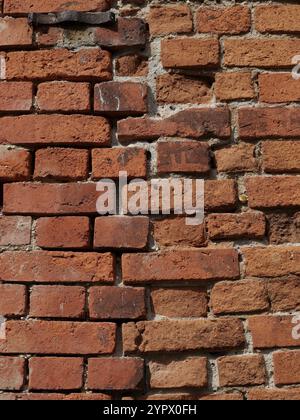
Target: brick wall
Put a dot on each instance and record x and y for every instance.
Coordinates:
(150, 308)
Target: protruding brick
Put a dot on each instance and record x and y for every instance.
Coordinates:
(242, 370)
(239, 297)
(115, 374)
(277, 18)
(15, 230)
(57, 301)
(12, 299)
(64, 97)
(46, 6)
(234, 86)
(54, 373)
(12, 371)
(16, 96)
(123, 232)
(238, 158)
(224, 20)
(170, 232)
(61, 164)
(188, 373)
(117, 303)
(15, 164)
(281, 156)
(43, 266)
(164, 20)
(63, 232)
(179, 302)
(287, 368)
(121, 98)
(15, 32)
(160, 336)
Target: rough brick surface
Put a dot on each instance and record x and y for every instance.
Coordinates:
(46, 6)
(241, 370)
(11, 373)
(64, 97)
(15, 230)
(15, 32)
(170, 19)
(16, 96)
(12, 299)
(15, 164)
(227, 20)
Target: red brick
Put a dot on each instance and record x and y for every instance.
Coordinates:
(16, 96)
(115, 374)
(55, 129)
(46, 6)
(11, 373)
(84, 64)
(287, 88)
(276, 394)
(164, 20)
(107, 163)
(35, 396)
(273, 192)
(15, 230)
(57, 301)
(287, 368)
(49, 36)
(54, 373)
(256, 123)
(15, 164)
(183, 157)
(121, 98)
(193, 123)
(169, 232)
(284, 228)
(132, 65)
(117, 303)
(15, 32)
(260, 52)
(281, 156)
(234, 86)
(188, 373)
(235, 226)
(234, 396)
(179, 303)
(61, 164)
(43, 266)
(224, 20)
(12, 299)
(123, 232)
(58, 337)
(220, 195)
(284, 295)
(237, 158)
(64, 97)
(242, 370)
(63, 232)
(272, 332)
(272, 261)
(197, 265)
(277, 18)
(239, 297)
(190, 53)
(175, 335)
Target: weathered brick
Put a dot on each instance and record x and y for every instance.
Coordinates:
(239, 297)
(224, 20)
(57, 301)
(15, 32)
(179, 303)
(12, 371)
(121, 98)
(190, 53)
(235, 226)
(84, 64)
(115, 374)
(276, 394)
(16, 96)
(61, 164)
(273, 192)
(164, 20)
(260, 52)
(63, 97)
(238, 158)
(284, 295)
(63, 232)
(272, 261)
(43, 266)
(286, 368)
(12, 299)
(281, 156)
(132, 65)
(35, 396)
(124, 232)
(194, 265)
(181, 89)
(284, 228)
(160, 336)
(117, 303)
(288, 88)
(55, 373)
(242, 370)
(183, 157)
(170, 232)
(15, 164)
(277, 18)
(15, 230)
(188, 373)
(234, 86)
(58, 337)
(220, 195)
(107, 163)
(234, 396)
(194, 123)
(46, 6)
(49, 36)
(55, 129)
